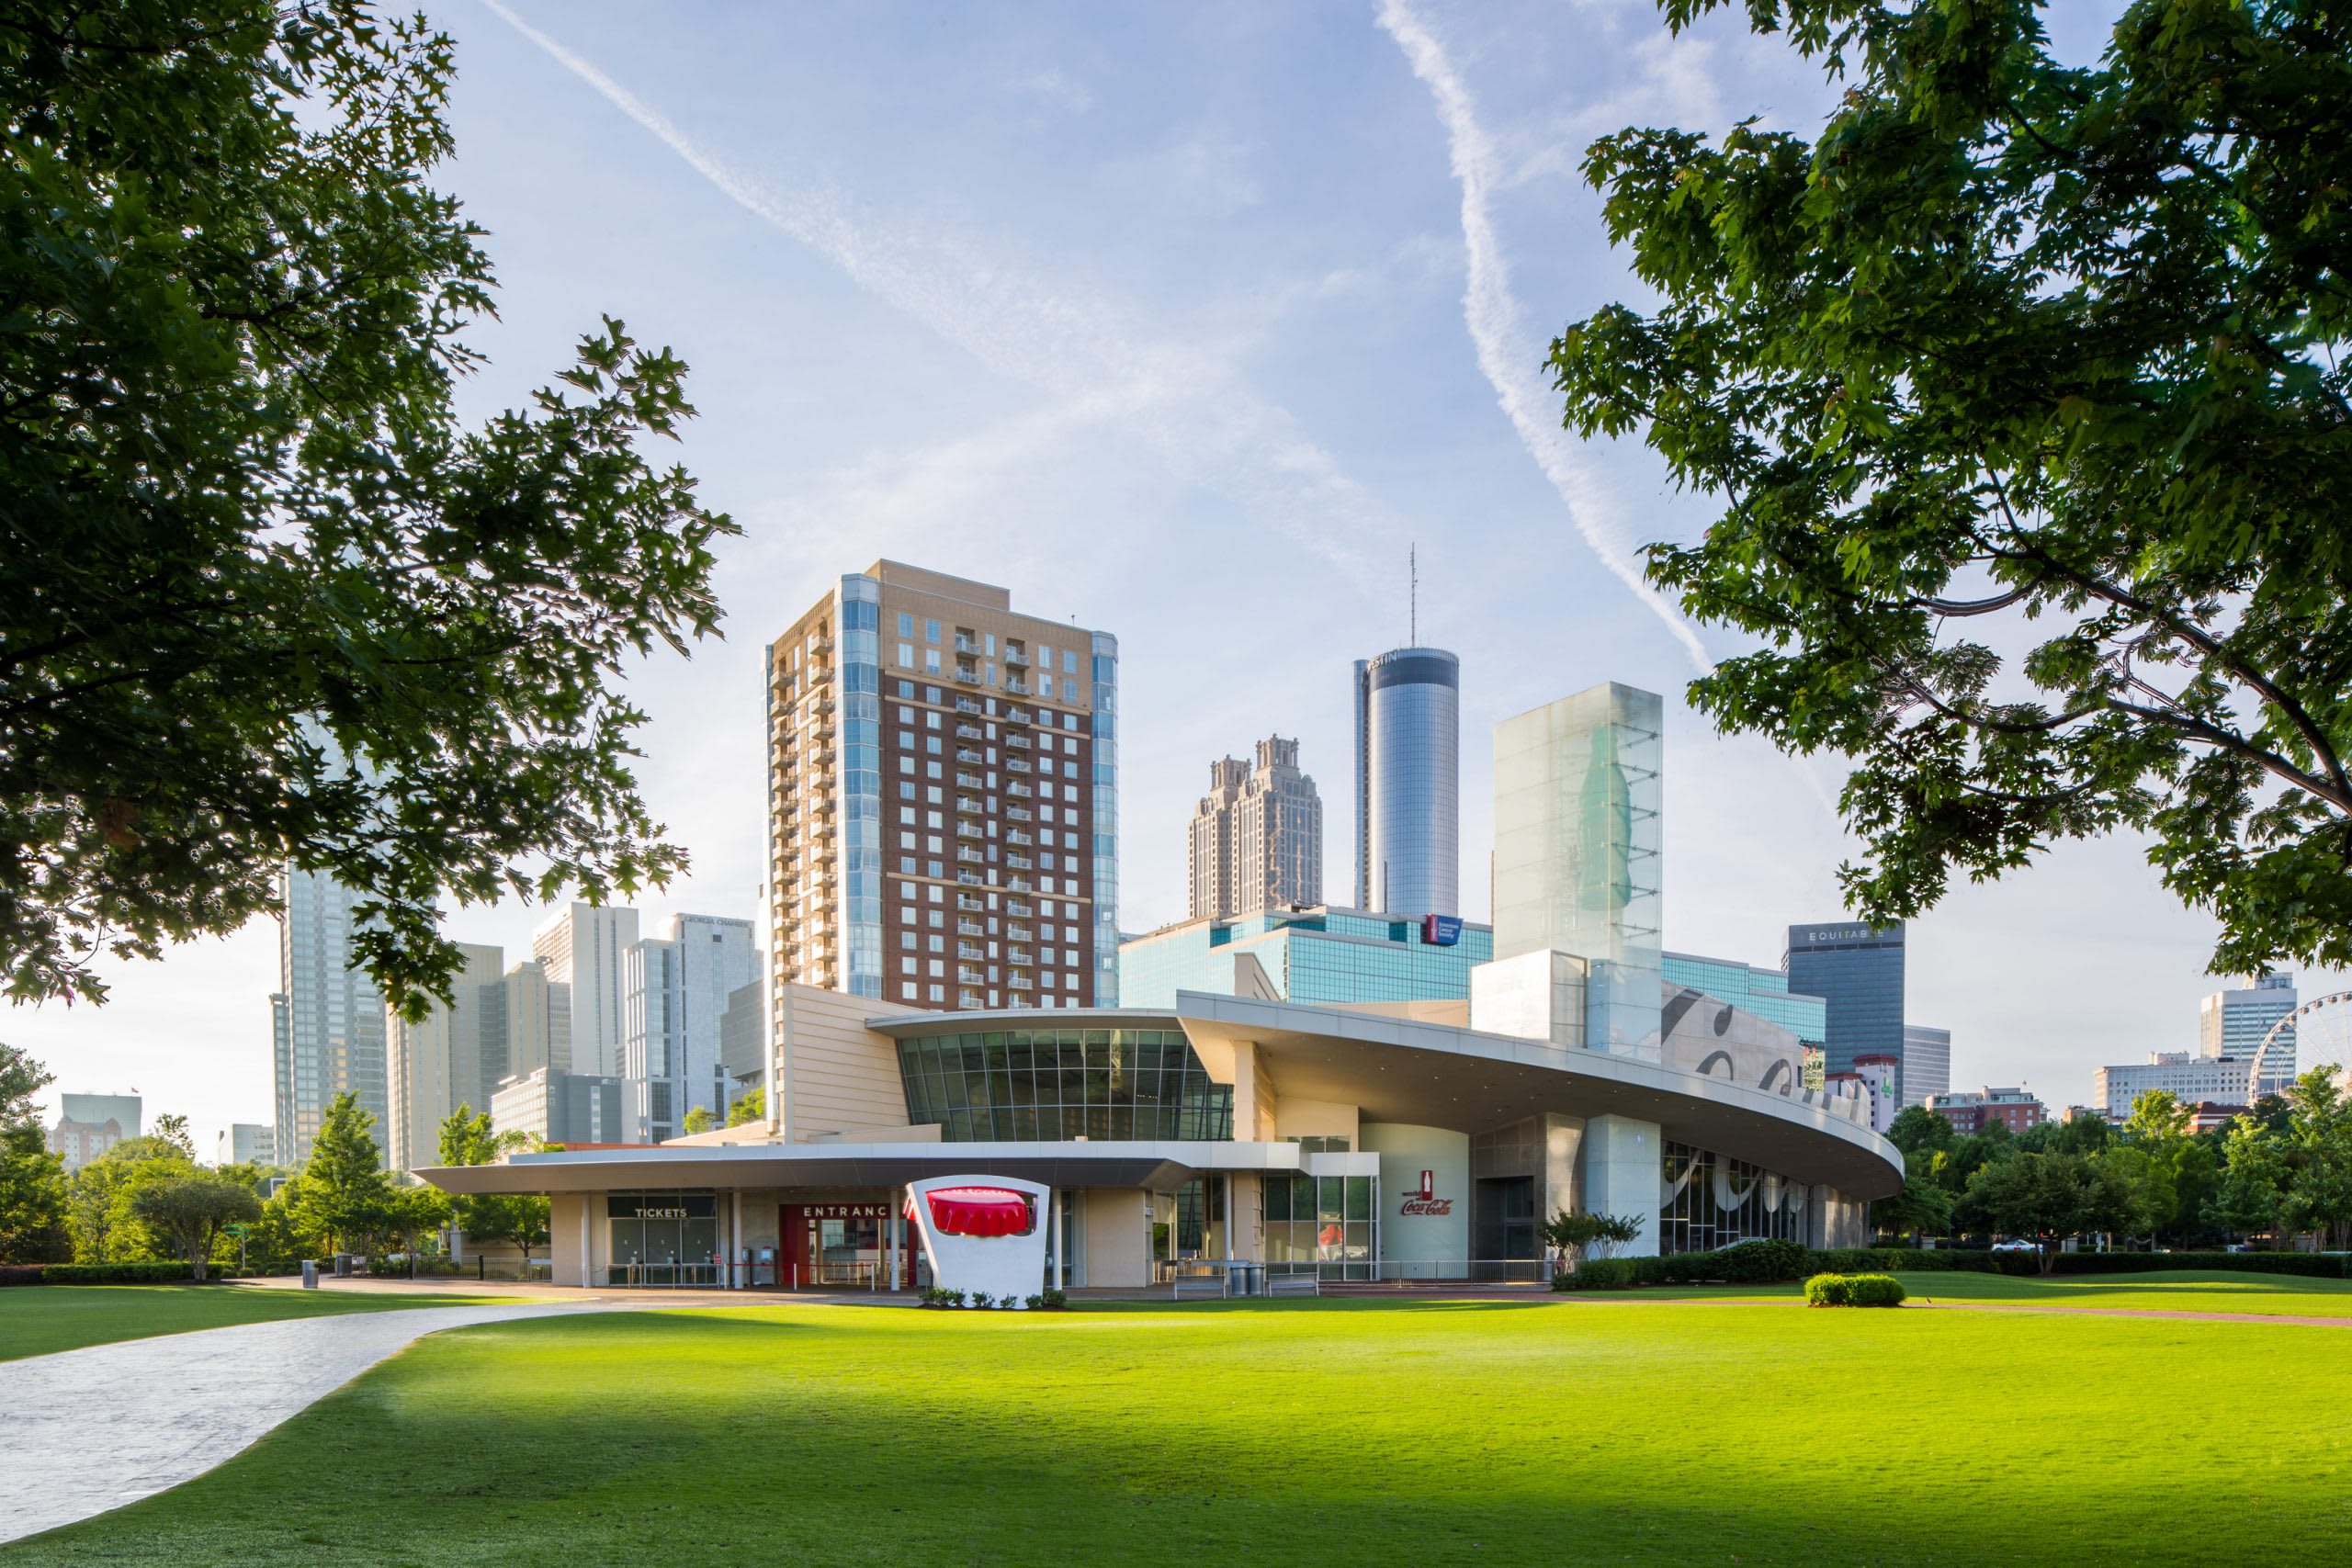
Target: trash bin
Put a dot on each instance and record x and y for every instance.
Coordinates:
(310, 1273)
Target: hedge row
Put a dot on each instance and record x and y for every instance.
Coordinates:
(92, 1273)
(1766, 1262)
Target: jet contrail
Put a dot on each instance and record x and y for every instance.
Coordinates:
(1177, 396)
(1493, 317)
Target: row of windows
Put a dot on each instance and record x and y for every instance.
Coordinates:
(1711, 1201)
(1045, 720)
(1048, 1084)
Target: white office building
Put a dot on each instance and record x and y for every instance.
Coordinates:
(2192, 1079)
(675, 991)
(585, 948)
(2232, 1026)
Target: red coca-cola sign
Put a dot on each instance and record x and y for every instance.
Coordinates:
(1423, 1199)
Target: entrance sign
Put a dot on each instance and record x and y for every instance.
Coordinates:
(983, 1234)
(1423, 1199)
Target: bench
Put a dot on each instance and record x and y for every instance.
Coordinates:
(1304, 1284)
(1182, 1285)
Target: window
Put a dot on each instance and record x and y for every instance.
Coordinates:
(931, 633)
(906, 790)
(1069, 662)
(907, 865)
(930, 661)
(906, 740)
(905, 656)
(1069, 770)
(907, 816)
(906, 763)
(1044, 686)
(931, 720)
(906, 688)
(906, 624)
(934, 821)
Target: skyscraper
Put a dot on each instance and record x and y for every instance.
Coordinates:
(454, 1055)
(677, 987)
(1409, 782)
(1857, 969)
(1257, 837)
(1578, 792)
(2232, 1024)
(327, 1019)
(585, 948)
(942, 789)
(1927, 1063)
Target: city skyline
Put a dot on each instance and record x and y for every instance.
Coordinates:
(848, 394)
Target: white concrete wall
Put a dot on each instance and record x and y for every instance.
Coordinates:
(1405, 1152)
(1536, 995)
(1118, 1237)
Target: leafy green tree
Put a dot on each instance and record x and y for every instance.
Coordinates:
(2130, 1193)
(1973, 1152)
(1923, 1208)
(32, 1179)
(342, 1195)
(751, 1107)
(1916, 1128)
(188, 1211)
(262, 598)
(2017, 349)
(1577, 1233)
(520, 1218)
(2039, 1198)
(699, 1120)
(171, 1128)
(2318, 1195)
(102, 1200)
(2252, 1183)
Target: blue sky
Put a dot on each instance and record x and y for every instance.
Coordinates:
(1186, 322)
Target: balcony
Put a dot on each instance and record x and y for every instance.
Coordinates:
(1020, 862)
(824, 806)
(1022, 884)
(969, 952)
(820, 673)
(971, 879)
(1020, 814)
(1018, 790)
(967, 781)
(1018, 741)
(970, 804)
(965, 645)
(822, 705)
(969, 677)
(970, 977)
(967, 732)
(1018, 837)
(1014, 684)
(969, 828)
(968, 754)
(966, 903)
(967, 705)
(1016, 765)
(1020, 908)
(969, 928)
(1018, 956)
(822, 646)
(1016, 716)
(968, 855)
(1014, 659)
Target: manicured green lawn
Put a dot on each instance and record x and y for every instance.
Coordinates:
(2184, 1290)
(1332, 1432)
(37, 1319)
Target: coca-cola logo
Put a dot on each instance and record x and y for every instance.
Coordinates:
(1423, 1199)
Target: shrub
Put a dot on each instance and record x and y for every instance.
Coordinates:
(1600, 1274)
(1049, 1300)
(934, 1296)
(21, 1274)
(1762, 1262)
(1853, 1289)
(113, 1273)
(982, 1298)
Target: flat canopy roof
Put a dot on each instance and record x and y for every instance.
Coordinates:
(1157, 1165)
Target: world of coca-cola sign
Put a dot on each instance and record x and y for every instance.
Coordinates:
(1423, 1199)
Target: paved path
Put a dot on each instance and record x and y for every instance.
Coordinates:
(83, 1432)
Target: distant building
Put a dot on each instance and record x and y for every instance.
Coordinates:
(1856, 968)
(1927, 1063)
(326, 1018)
(677, 988)
(539, 1020)
(247, 1143)
(562, 1108)
(1972, 1111)
(2190, 1079)
(585, 949)
(1409, 782)
(2232, 1026)
(454, 1055)
(1323, 956)
(2207, 1116)
(743, 1041)
(1256, 838)
(90, 1124)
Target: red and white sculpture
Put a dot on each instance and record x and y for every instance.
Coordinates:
(984, 1234)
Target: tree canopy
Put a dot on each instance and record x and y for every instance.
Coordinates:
(263, 601)
(2020, 387)
(189, 1211)
(32, 1179)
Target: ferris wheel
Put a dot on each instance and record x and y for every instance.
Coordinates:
(2318, 1034)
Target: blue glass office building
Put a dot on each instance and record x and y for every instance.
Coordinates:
(1858, 970)
(1321, 955)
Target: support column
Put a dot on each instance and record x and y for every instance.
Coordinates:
(1061, 1245)
(1621, 1175)
(735, 1239)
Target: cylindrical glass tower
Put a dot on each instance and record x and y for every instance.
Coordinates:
(1408, 779)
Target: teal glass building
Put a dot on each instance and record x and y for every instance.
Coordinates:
(1320, 955)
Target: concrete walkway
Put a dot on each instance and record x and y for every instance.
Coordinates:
(84, 1431)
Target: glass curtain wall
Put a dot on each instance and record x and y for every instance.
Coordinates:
(1712, 1201)
(1047, 1085)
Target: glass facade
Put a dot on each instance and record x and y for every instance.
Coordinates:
(861, 779)
(1578, 792)
(1324, 1222)
(1022, 1085)
(1763, 992)
(1317, 956)
(661, 1239)
(1408, 808)
(1710, 1201)
(1857, 969)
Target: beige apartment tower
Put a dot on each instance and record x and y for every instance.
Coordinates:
(941, 799)
(1257, 836)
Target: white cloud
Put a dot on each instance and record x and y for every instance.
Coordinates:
(1506, 353)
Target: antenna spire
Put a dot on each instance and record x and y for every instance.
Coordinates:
(1413, 568)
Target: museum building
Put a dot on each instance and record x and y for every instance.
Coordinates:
(1257, 1137)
